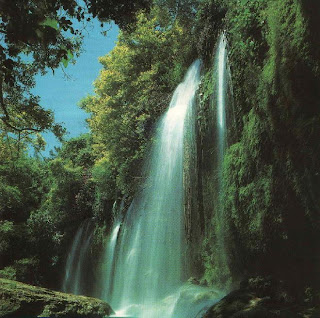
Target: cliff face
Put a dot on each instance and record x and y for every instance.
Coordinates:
(271, 169)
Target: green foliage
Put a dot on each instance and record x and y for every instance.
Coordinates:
(78, 151)
(133, 89)
(72, 189)
(15, 240)
(38, 36)
(208, 24)
(214, 273)
(21, 186)
(270, 173)
(52, 23)
(26, 270)
(6, 233)
(79, 187)
(99, 241)
(43, 227)
(8, 273)
(253, 196)
(271, 184)
(104, 178)
(39, 200)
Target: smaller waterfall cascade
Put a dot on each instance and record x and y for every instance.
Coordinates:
(109, 261)
(110, 252)
(221, 103)
(222, 89)
(78, 261)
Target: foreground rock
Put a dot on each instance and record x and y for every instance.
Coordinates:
(21, 300)
(264, 298)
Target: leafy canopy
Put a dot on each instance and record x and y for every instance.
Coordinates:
(38, 35)
(134, 88)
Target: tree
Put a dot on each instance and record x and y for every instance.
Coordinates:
(38, 35)
(134, 89)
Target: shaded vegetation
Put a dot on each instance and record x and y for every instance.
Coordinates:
(271, 194)
(42, 204)
(40, 35)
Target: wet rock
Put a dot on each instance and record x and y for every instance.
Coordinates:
(262, 298)
(22, 300)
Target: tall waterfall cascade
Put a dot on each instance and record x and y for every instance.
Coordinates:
(77, 266)
(144, 271)
(148, 253)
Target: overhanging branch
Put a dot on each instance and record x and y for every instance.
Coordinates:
(6, 118)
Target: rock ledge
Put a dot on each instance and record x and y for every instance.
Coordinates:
(22, 300)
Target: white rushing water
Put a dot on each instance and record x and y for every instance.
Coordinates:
(221, 98)
(108, 263)
(77, 262)
(108, 267)
(223, 75)
(148, 253)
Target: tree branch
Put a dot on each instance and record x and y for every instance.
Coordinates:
(6, 117)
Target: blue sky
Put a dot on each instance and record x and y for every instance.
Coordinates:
(62, 94)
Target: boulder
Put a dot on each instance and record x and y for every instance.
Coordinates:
(263, 298)
(22, 300)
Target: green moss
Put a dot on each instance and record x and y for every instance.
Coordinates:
(271, 183)
(8, 272)
(21, 300)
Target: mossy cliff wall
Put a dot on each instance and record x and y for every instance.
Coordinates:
(271, 168)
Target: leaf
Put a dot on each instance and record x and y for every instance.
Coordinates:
(70, 55)
(52, 23)
(65, 62)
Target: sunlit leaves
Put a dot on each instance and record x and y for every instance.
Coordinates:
(133, 89)
(47, 34)
(52, 23)
(65, 61)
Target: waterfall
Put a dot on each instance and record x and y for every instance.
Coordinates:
(221, 117)
(108, 267)
(149, 270)
(78, 267)
(110, 251)
(223, 75)
(221, 104)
